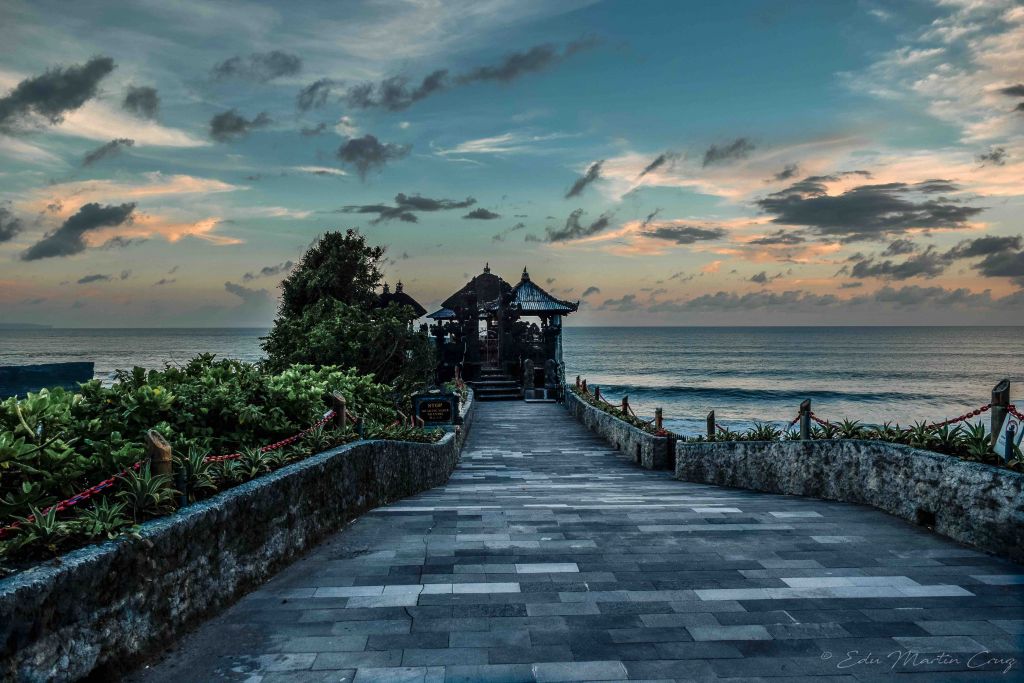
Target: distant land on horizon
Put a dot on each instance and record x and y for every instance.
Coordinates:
(24, 326)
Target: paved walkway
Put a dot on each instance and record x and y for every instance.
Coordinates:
(549, 557)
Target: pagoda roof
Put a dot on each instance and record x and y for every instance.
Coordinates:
(443, 314)
(399, 298)
(484, 291)
(529, 297)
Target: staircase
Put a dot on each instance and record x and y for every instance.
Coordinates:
(495, 385)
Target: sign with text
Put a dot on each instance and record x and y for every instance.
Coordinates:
(1009, 422)
(436, 409)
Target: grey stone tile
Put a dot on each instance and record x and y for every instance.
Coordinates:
(579, 671)
(742, 632)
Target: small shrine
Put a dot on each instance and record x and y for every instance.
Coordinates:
(505, 340)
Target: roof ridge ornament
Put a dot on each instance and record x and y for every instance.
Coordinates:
(526, 276)
(487, 267)
(398, 287)
(387, 290)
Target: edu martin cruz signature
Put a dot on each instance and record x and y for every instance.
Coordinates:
(909, 659)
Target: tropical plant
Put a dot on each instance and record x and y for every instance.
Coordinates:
(763, 431)
(43, 530)
(851, 429)
(146, 494)
(103, 519)
(196, 473)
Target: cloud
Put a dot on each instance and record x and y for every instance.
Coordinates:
(589, 291)
(406, 207)
(394, 93)
(1003, 264)
(788, 171)
(320, 170)
(995, 156)
(68, 239)
(94, 278)
(927, 264)
(500, 237)
(780, 237)
(318, 129)
(516, 64)
(868, 211)
(1013, 90)
(731, 301)
(685, 234)
(900, 247)
(229, 125)
(162, 282)
(53, 94)
(658, 162)
(315, 95)
(142, 100)
(627, 302)
(592, 174)
(763, 278)
(737, 149)
(368, 153)
(110, 149)
(10, 225)
(118, 242)
(482, 214)
(259, 66)
(255, 302)
(400, 92)
(268, 271)
(984, 246)
(506, 143)
(573, 229)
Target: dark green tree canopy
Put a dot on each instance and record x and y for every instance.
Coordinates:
(329, 316)
(339, 266)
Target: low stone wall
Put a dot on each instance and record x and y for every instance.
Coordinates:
(649, 451)
(104, 607)
(975, 504)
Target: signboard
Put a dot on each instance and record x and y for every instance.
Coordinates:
(436, 409)
(1010, 421)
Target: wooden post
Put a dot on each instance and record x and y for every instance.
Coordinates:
(597, 393)
(577, 381)
(658, 421)
(711, 425)
(340, 411)
(360, 428)
(625, 405)
(159, 453)
(1000, 402)
(805, 420)
(584, 386)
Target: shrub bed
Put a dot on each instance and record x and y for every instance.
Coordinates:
(56, 443)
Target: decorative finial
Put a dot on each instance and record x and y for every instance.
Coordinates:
(387, 290)
(398, 287)
(526, 276)
(487, 267)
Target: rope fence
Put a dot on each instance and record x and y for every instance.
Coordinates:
(999, 408)
(137, 466)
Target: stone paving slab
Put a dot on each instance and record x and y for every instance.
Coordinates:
(551, 557)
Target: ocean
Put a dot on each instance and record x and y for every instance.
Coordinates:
(872, 374)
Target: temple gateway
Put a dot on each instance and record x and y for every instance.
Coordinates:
(505, 341)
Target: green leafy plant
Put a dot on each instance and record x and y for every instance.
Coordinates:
(146, 494)
(43, 530)
(851, 429)
(763, 431)
(197, 473)
(103, 519)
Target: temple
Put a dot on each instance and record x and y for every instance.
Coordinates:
(505, 340)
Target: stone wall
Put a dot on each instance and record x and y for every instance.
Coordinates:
(104, 607)
(975, 504)
(648, 451)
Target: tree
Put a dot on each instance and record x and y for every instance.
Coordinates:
(328, 316)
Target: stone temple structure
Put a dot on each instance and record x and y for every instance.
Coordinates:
(505, 340)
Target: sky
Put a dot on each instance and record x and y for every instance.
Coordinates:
(664, 163)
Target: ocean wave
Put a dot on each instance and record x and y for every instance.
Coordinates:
(724, 394)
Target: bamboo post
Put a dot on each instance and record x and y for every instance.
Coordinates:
(1000, 402)
(577, 381)
(597, 393)
(584, 386)
(625, 404)
(658, 420)
(159, 453)
(360, 428)
(340, 410)
(711, 425)
(805, 420)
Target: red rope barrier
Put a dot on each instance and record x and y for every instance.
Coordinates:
(107, 483)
